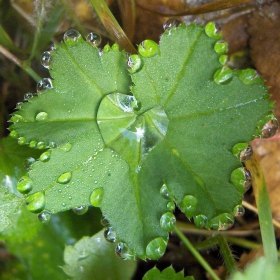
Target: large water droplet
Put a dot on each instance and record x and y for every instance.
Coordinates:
(25, 184)
(212, 30)
(125, 102)
(71, 37)
(41, 145)
(80, 210)
(96, 197)
(94, 38)
(134, 63)
(223, 76)
(243, 151)
(165, 192)
(44, 216)
(104, 221)
(27, 96)
(200, 221)
(22, 140)
(36, 202)
(124, 252)
(44, 157)
(148, 48)
(64, 178)
(44, 85)
(221, 47)
(171, 23)
(249, 76)
(156, 248)
(270, 128)
(241, 178)
(189, 205)
(110, 235)
(42, 116)
(66, 147)
(167, 221)
(238, 211)
(46, 59)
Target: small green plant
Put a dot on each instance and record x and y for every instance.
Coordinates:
(137, 136)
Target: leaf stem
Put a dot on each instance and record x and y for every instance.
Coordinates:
(263, 205)
(196, 254)
(112, 26)
(23, 65)
(227, 254)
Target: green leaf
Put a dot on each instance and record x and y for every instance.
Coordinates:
(132, 155)
(94, 258)
(166, 274)
(258, 270)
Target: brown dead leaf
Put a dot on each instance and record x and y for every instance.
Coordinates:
(247, 258)
(265, 47)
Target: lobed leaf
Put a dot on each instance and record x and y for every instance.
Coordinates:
(167, 274)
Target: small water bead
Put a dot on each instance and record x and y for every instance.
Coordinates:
(24, 185)
(270, 128)
(243, 151)
(189, 205)
(52, 145)
(110, 235)
(115, 47)
(18, 106)
(170, 206)
(44, 84)
(200, 221)
(33, 144)
(223, 76)
(167, 221)
(66, 147)
(36, 202)
(249, 76)
(212, 30)
(41, 145)
(241, 178)
(14, 134)
(123, 251)
(223, 59)
(165, 192)
(148, 48)
(104, 221)
(16, 118)
(106, 48)
(221, 47)
(171, 23)
(134, 63)
(28, 162)
(22, 140)
(44, 216)
(41, 117)
(46, 59)
(64, 178)
(94, 38)
(71, 37)
(44, 157)
(80, 210)
(238, 211)
(96, 197)
(156, 248)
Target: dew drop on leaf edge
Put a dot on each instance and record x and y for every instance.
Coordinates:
(238, 211)
(96, 197)
(36, 202)
(243, 151)
(44, 216)
(165, 193)
(171, 23)
(189, 205)
(46, 59)
(167, 221)
(24, 184)
(134, 63)
(44, 84)
(200, 221)
(148, 48)
(80, 210)
(241, 178)
(104, 221)
(28, 162)
(94, 39)
(71, 36)
(110, 235)
(44, 157)
(156, 248)
(123, 251)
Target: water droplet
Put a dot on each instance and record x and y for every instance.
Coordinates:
(64, 178)
(148, 48)
(42, 116)
(96, 197)
(33, 144)
(94, 38)
(22, 140)
(189, 205)
(249, 76)
(156, 248)
(115, 47)
(81, 210)
(44, 216)
(14, 134)
(212, 30)
(41, 145)
(171, 23)
(165, 192)
(46, 59)
(44, 85)
(44, 157)
(52, 145)
(223, 76)
(25, 184)
(16, 118)
(106, 48)
(222, 222)
(241, 178)
(270, 128)
(36, 202)
(66, 147)
(104, 221)
(221, 47)
(18, 106)
(238, 211)
(71, 37)
(243, 151)
(223, 59)
(134, 63)
(124, 252)
(28, 162)
(110, 235)
(170, 206)
(167, 221)
(200, 221)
